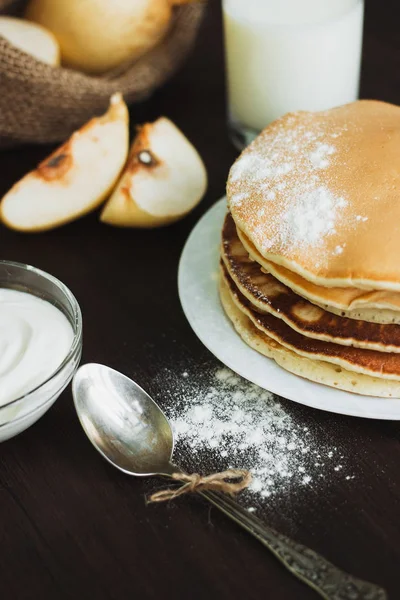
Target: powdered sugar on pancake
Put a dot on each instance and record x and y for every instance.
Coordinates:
(319, 158)
(285, 165)
(311, 217)
(254, 165)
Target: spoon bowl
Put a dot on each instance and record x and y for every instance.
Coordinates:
(122, 421)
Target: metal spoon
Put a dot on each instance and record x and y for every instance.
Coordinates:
(128, 428)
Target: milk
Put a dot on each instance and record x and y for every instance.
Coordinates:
(285, 55)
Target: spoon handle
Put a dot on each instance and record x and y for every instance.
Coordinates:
(314, 570)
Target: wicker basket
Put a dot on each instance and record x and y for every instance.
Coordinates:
(41, 103)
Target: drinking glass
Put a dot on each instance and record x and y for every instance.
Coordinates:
(288, 55)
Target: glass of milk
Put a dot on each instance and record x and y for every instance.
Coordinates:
(287, 55)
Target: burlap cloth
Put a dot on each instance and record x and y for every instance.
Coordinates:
(40, 103)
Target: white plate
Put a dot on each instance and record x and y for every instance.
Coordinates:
(198, 292)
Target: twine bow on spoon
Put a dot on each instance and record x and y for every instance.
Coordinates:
(229, 482)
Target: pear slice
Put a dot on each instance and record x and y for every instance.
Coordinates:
(75, 179)
(31, 38)
(163, 180)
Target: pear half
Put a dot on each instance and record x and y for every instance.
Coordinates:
(163, 180)
(75, 179)
(31, 38)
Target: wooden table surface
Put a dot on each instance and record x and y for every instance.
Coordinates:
(73, 527)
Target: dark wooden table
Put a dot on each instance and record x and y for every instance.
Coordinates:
(73, 527)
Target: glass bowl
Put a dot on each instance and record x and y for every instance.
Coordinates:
(21, 413)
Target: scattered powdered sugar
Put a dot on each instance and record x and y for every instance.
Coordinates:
(228, 422)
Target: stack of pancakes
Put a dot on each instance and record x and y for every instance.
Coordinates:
(310, 258)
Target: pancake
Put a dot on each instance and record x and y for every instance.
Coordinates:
(317, 193)
(267, 295)
(351, 302)
(368, 362)
(314, 370)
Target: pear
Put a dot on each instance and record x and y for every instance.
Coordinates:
(31, 38)
(98, 35)
(163, 180)
(75, 179)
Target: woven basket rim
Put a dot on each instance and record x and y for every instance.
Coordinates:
(109, 76)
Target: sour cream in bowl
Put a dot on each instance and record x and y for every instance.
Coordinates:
(40, 344)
